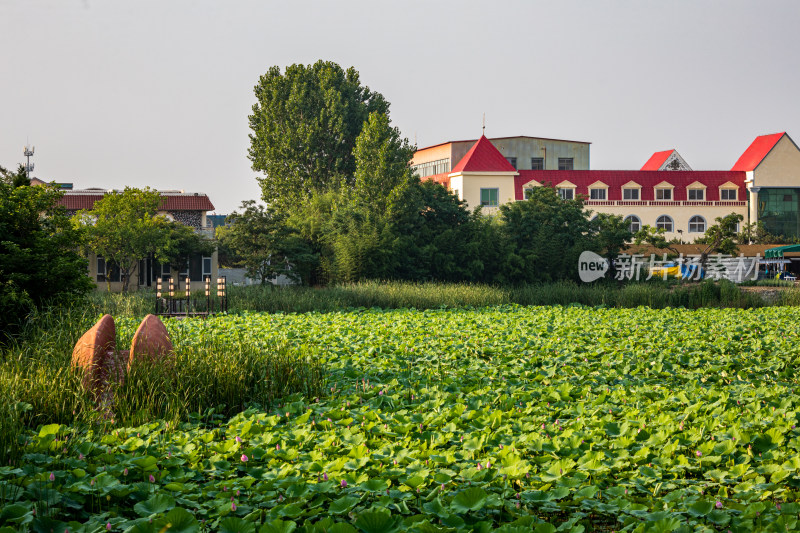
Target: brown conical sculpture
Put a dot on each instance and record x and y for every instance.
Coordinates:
(93, 351)
(151, 341)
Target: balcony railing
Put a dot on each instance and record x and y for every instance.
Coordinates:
(677, 203)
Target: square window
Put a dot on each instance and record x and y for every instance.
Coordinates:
(597, 194)
(663, 194)
(630, 194)
(528, 193)
(566, 194)
(513, 161)
(537, 163)
(696, 194)
(489, 197)
(728, 194)
(565, 163)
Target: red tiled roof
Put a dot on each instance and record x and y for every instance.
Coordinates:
(648, 179)
(757, 151)
(171, 202)
(656, 160)
(483, 157)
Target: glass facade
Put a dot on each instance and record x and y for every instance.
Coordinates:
(779, 210)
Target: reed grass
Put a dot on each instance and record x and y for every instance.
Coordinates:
(39, 386)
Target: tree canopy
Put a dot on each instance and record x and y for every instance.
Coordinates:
(39, 261)
(304, 128)
(264, 244)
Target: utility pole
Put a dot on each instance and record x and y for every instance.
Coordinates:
(28, 152)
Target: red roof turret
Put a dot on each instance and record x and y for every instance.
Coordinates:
(483, 157)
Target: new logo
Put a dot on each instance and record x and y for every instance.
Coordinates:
(591, 266)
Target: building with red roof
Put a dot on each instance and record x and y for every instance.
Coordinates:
(664, 193)
(189, 208)
(666, 160)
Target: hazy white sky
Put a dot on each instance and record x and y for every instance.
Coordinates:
(157, 93)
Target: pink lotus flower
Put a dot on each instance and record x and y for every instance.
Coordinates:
(233, 506)
(244, 458)
(325, 476)
(125, 472)
(108, 526)
(718, 505)
(152, 479)
(238, 439)
(278, 447)
(699, 453)
(52, 476)
(344, 483)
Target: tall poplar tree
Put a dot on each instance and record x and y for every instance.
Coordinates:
(304, 128)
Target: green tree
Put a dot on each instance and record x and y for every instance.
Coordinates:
(178, 243)
(721, 237)
(267, 246)
(39, 261)
(437, 238)
(655, 237)
(612, 234)
(123, 227)
(382, 164)
(756, 233)
(304, 128)
(545, 235)
(15, 179)
(360, 233)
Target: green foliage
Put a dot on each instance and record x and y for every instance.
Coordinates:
(756, 233)
(382, 174)
(178, 243)
(265, 244)
(304, 129)
(544, 236)
(15, 179)
(507, 418)
(38, 260)
(721, 237)
(123, 227)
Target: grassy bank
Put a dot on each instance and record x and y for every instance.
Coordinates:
(398, 295)
(38, 386)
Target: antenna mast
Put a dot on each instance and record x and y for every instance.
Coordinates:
(28, 152)
(483, 128)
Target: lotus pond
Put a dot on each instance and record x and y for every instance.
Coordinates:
(512, 418)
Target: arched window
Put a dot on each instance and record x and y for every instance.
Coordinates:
(635, 222)
(697, 224)
(665, 222)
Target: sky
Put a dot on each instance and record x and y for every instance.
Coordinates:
(115, 93)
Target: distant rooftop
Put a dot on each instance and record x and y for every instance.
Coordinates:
(503, 138)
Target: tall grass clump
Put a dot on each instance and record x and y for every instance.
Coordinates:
(136, 303)
(225, 377)
(36, 382)
(39, 386)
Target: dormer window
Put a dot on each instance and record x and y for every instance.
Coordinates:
(630, 194)
(632, 191)
(566, 194)
(597, 194)
(598, 191)
(728, 192)
(663, 194)
(696, 194)
(566, 190)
